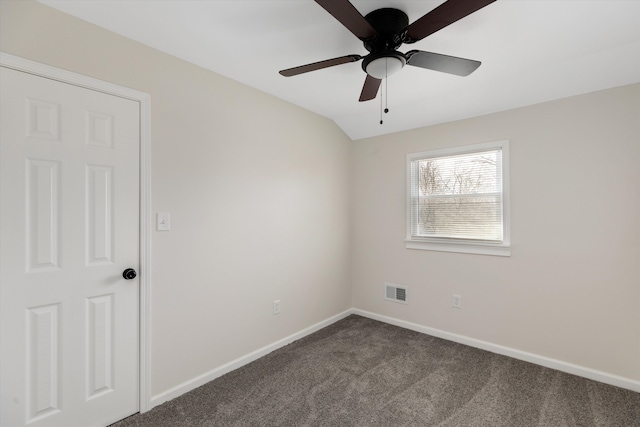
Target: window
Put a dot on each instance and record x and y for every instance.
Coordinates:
(458, 199)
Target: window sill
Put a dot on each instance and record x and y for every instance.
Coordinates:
(465, 248)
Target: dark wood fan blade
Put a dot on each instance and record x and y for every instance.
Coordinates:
(349, 16)
(370, 88)
(443, 63)
(445, 14)
(320, 65)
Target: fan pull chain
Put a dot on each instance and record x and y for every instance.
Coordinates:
(381, 107)
(386, 95)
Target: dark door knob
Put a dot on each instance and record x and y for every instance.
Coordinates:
(129, 274)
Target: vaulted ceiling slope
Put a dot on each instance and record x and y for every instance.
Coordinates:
(531, 52)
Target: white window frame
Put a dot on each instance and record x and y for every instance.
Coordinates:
(462, 245)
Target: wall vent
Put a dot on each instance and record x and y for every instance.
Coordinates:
(395, 293)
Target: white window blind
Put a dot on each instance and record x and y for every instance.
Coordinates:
(457, 195)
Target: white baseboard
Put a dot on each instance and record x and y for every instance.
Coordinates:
(200, 380)
(559, 365)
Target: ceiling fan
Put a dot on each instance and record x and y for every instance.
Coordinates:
(383, 31)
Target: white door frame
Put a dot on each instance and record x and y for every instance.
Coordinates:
(38, 69)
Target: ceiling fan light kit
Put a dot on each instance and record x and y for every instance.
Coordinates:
(383, 64)
(384, 30)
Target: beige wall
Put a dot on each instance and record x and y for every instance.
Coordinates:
(571, 289)
(257, 189)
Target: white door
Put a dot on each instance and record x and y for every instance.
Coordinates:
(69, 227)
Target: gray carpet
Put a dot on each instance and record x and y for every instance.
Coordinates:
(360, 372)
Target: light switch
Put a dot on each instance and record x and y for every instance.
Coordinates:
(163, 221)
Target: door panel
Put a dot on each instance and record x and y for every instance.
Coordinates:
(69, 226)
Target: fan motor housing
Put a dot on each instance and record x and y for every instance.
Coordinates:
(391, 25)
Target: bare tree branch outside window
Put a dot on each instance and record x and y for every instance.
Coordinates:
(460, 196)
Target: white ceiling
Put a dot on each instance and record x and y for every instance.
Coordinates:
(531, 52)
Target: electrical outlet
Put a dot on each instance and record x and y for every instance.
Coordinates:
(457, 301)
(276, 307)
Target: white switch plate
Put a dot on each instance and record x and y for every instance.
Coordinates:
(163, 221)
